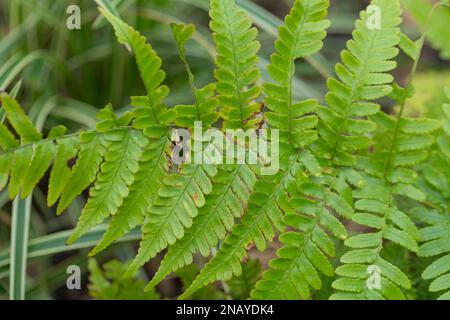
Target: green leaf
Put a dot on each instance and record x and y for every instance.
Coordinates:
(131, 213)
(393, 273)
(115, 176)
(441, 283)
(83, 173)
(66, 149)
(236, 72)
(19, 121)
(401, 238)
(231, 189)
(173, 210)
(438, 267)
(300, 36)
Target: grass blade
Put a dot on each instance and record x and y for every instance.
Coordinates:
(19, 244)
(57, 243)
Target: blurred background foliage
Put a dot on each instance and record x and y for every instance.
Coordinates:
(65, 76)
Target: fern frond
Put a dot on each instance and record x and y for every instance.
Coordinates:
(181, 194)
(241, 286)
(152, 168)
(232, 187)
(362, 78)
(24, 162)
(177, 203)
(307, 244)
(376, 210)
(236, 64)
(266, 205)
(92, 150)
(400, 143)
(112, 183)
(66, 149)
(264, 213)
(345, 162)
(304, 252)
(300, 36)
(436, 185)
(150, 114)
(342, 133)
(204, 109)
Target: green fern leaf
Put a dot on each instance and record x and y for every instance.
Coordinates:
(387, 166)
(173, 209)
(20, 166)
(19, 121)
(150, 113)
(265, 210)
(236, 70)
(115, 176)
(42, 158)
(266, 206)
(204, 109)
(435, 184)
(362, 78)
(231, 189)
(304, 252)
(301, 36)
(152, 167)
(66, 149)
(18, 160)
(92, 149)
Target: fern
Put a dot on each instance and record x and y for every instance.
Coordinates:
(173, 210)
(231, 188)
(436, 27)
(19, 161)
(301, 36)
(240, 287)
(152, 167)
(435, 184)
(304, 253)
(23, 162)
(401, 143)
(112, 182)
(182, 193)
(116, 157)
(151, 115)
(110, 285)
(236, 70)
(270, 198)
(266, 206)
(346, 161)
